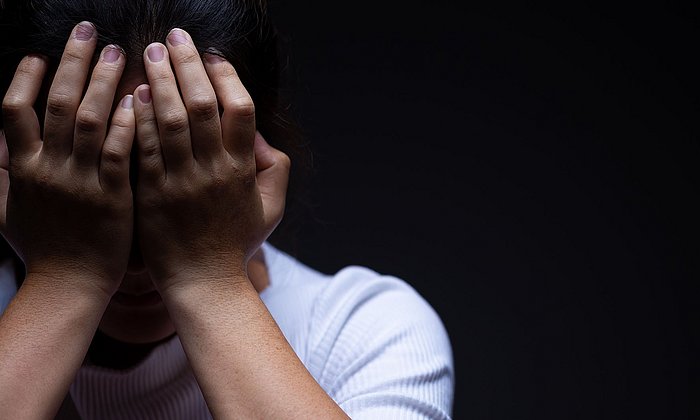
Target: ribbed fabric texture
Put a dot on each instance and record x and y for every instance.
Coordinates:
(371, 342)
(162, 387)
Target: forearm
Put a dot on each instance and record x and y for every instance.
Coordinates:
(242, 361)
(44, 335)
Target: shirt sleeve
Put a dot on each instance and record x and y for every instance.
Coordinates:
(380, 350)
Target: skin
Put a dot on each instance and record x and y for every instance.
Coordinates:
(209, 192)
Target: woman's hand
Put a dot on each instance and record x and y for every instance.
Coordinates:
(210, 190)
(67, 206)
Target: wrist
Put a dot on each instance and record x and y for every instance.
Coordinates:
(196, 286)
(45, 320)
(73, 284)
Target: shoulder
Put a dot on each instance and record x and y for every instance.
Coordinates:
(372, 342)
(375, 302)
(379, 348)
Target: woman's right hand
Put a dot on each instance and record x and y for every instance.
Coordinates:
(67, 206)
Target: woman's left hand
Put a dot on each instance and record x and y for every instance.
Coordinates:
(210, 190)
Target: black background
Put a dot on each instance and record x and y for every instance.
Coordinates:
(533, 173)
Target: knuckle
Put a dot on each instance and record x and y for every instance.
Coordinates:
(203, 107)
(189, 56)
(228, 72)
(119, 206)
(88, 121)
(152, 173)
(217, 184)
(284, 160)
(150, 150)
(59, 105)
(112, 156)
(103, 75)
(242, 107)
(12, 106)
(160, 76)
(26, 67)
(245, 172)
(231, 173)
(121, 122)
(144, 118)
(174, 122)
(43, 179)
(72, 55)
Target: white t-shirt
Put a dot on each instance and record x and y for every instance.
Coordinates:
(370, 340)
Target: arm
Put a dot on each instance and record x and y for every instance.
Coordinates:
(209, 192)
(44, 335)
(244, 364)
(67, 211)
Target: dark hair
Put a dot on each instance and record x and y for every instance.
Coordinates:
(241, 30)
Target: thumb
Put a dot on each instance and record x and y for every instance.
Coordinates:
(272, 167)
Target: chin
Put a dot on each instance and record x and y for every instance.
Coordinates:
(137, 324)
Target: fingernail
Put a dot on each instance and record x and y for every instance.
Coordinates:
(84, 31)
(177, 37)
(128, 102)
(112, 54)
(155, 53)
(213, 56)
(145, 95)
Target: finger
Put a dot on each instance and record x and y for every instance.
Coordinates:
(150, 157)
(272, 177)
(93, 114)
(114, 161)
(170, 112)
(238, 119)
(197, 94)
(66, 91)
(22, 128)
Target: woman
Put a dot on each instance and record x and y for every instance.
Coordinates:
(139, 192)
